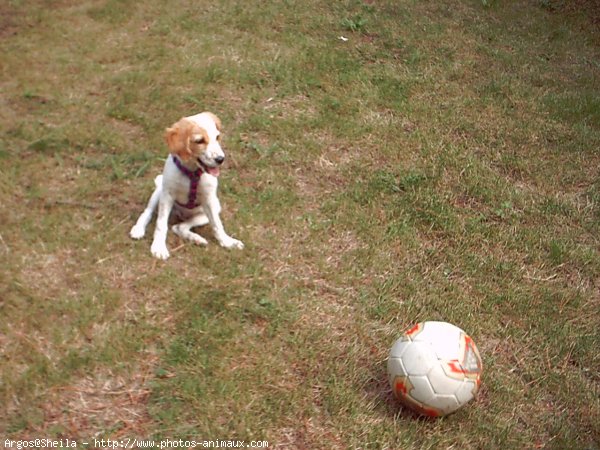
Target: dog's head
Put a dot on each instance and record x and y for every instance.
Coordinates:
(197, 140)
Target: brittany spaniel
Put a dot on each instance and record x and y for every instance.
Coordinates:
(188, 185)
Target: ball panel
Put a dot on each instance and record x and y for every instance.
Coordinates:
(471, 358)
(401, 387)
(444, 339)
(467, 391)
(441, 383)
(467, 364)
(453, 369)
(444, 403)
(418, 358)
(396, 368)
(399, 346)
(422, 390)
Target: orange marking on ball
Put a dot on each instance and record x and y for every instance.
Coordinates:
(401, 387)
(413, 330)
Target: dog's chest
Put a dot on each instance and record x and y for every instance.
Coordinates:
(188, 192)
(185, 190)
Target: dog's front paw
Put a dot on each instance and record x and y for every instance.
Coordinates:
(137, 232)
(159, 250)
(230, 243)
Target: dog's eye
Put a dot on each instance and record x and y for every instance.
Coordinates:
(199, 140)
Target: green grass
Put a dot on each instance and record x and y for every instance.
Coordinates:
(440, 164)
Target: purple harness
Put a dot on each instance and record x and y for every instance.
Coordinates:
(194, 178)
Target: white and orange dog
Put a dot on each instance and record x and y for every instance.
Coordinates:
(188, 185)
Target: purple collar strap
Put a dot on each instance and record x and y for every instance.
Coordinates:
(194, 177)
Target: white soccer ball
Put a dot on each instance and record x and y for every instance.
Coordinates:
(435, 368)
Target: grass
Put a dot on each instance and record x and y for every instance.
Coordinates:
(440, 164)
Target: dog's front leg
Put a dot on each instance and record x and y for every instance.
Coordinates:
(212, 208)
(139, 229)
(159, 244)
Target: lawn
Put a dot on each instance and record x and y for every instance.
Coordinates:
(389, 162)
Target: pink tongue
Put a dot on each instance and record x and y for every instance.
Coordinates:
(214, 171)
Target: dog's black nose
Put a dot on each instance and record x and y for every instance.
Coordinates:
(219, 159)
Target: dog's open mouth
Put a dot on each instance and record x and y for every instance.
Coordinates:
(214, 171)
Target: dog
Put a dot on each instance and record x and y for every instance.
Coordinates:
(188, 186)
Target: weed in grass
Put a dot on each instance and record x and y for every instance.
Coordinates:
(354, 24)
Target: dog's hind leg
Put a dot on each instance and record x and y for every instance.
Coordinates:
(139, 229)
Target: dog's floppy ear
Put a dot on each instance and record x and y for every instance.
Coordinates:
(215, 119)
(177, 138)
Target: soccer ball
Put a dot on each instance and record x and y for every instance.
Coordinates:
(435, 368)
